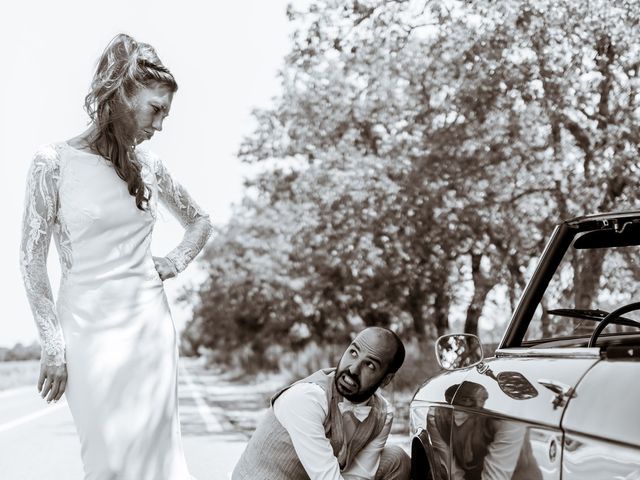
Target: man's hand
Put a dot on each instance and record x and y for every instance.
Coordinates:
(52, 381)
(165, 268)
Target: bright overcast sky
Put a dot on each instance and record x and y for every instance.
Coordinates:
(225, 57)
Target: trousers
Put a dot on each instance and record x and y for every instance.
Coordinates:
(395, 464)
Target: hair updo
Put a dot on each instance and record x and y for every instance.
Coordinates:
(125, 66)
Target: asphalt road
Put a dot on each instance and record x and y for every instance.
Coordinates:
(39, 441)
(217, 412)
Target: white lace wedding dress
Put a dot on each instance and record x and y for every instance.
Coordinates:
(111, 322)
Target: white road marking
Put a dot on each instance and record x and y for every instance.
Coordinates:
(32, 416)
(212, 424)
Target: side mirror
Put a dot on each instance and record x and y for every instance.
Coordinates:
(458, 351)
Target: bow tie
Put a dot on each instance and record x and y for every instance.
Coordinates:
(361, 412)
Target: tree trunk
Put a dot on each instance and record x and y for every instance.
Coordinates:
(587, 269)
(482, 285)
(587, 280)
(516, 280)
(416, 300)
(441, 310)
(414, 305)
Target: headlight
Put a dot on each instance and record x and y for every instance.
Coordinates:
(418, 416)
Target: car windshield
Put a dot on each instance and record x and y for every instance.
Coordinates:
(592, 280)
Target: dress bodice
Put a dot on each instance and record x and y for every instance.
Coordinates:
(99, 232)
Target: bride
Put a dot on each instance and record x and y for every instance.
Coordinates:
(109, 341)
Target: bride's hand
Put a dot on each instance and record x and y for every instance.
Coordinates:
(52, 381)
(164, 267)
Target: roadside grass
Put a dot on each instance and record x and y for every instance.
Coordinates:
(19, 374)
(419, 365)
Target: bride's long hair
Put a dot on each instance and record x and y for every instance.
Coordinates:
(125, 66)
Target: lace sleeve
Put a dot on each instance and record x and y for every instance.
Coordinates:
(39, 214)
(195, 221)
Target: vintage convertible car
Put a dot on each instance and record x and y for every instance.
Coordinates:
(561, 397)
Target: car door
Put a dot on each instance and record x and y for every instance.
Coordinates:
(432, 410)
(507, 413)
(602, 422)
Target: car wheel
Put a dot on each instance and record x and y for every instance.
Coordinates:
(420, 469)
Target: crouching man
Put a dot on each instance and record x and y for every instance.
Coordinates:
(333, 424)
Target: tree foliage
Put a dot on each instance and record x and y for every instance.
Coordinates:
(416, 160)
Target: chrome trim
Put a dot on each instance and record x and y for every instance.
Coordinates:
(605, 216)
(557, 387)
(563, 392)
(573, 352)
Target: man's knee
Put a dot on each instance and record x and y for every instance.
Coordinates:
(395, 464)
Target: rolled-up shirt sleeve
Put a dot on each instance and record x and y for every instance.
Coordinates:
(302, 410)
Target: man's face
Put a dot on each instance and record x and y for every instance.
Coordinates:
(364, 366)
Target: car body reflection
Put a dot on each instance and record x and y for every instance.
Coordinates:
(481, 446)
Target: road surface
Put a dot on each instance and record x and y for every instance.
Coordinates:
(217, 413)
(39, 441)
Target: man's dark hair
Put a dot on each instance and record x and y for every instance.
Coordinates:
(398, 357)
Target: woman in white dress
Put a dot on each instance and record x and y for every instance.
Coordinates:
(109, 341)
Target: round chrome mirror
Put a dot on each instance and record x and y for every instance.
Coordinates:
(458, 351)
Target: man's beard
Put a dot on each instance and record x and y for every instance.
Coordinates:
(355, 397)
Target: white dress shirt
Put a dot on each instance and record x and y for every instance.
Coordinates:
(302, 410)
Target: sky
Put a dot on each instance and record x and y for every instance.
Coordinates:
(225, 57)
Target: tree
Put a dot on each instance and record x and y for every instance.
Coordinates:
(418, 156)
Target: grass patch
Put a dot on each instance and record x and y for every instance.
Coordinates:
(278, 366)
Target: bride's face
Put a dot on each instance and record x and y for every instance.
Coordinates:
(149, 107)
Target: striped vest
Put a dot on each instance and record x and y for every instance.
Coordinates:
(270, 454)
